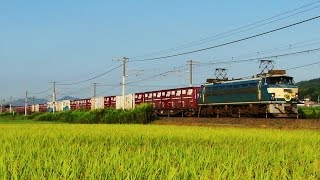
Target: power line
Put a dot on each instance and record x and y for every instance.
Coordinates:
(235, 61)
(110, 89)
(66, 84)
(278, 49)
(297, 67)
(207, 39)
(41, 92)
(108, 85)
(266, 57)
(161, 74)
(232, 42)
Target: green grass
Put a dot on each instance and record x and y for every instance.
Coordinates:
(25, 121)
(310, 112)
(75, 151)
(139, 115)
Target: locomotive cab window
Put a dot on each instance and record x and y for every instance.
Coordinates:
(280, 80)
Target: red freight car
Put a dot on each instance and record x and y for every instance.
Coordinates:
(171, 101)
(110, 102)
(43, 107)
(21, 109)
(139, 98)
(80, 104)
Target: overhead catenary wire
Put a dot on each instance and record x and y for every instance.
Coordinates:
(41, 92)
(228, 62)
(110, 89)
(224, 34)
(160, 74)
(265, 57)
(268, 51)
(232, 42)
(302, 66)
(79, 82)
(292, 68)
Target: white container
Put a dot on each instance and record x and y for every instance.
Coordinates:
(97, 103)
(36, 108)
(119, 102)
(50, 106)
(59, 105)
(129, 101)
(66, 105)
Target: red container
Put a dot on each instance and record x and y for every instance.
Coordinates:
(110, 102)
(80, 104)
(21, 109)
(42, 107)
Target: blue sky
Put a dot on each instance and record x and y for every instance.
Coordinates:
(71, 41)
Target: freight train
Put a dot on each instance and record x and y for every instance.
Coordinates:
(272, 94)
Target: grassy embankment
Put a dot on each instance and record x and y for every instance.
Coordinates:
(140, 115)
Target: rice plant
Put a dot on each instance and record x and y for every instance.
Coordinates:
(97, 151)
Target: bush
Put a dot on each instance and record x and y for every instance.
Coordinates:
(309, 112)
(140, 115)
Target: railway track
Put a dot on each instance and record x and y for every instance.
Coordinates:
(276, 123)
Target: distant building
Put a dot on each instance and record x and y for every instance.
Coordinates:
(309, 103)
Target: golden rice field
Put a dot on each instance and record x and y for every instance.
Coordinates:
(73, 151)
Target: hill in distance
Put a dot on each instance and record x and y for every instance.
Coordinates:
(309, 89)
(20, 102)
(67, 98)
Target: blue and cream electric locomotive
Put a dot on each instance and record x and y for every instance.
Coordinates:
(271, 94)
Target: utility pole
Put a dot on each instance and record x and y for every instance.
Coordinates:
(190, 72)
(26, 104)
(10, 110)
(54, 97)
(125, 60)
(94, 90)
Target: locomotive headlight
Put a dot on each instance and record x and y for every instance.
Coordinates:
(273, 96)
(297, 96)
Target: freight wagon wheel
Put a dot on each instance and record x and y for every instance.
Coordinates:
(188, 114)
